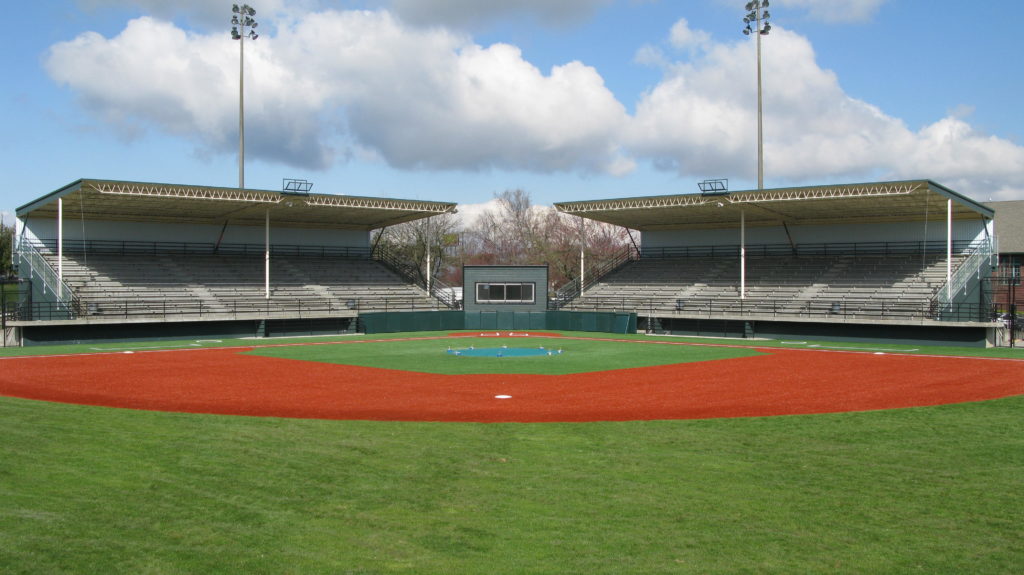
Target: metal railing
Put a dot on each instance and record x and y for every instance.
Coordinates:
(119, 247)
(177, 309)
(839, 309)
(980, 256)
(411, 273)
(32, 261)
(573, 289)
(817, 249)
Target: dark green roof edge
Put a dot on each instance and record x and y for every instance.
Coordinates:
(932, 185)
(39, 202)
(979, 207)
(77, 184)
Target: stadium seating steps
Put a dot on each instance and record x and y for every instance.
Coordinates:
(163, 283)
(846, 284)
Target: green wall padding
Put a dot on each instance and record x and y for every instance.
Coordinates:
(392, 322)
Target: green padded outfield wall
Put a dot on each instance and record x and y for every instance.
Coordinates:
(393, 322)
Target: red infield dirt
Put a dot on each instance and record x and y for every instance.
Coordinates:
(783, 382)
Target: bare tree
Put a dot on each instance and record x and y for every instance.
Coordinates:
(516, 232)
(429, 241)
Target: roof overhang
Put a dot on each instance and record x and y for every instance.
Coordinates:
(818, 205)
(146, 202)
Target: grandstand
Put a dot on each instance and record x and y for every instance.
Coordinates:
(885, 260)
(906, 261)
(213, 260)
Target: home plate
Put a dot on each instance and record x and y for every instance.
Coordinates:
(502, 397)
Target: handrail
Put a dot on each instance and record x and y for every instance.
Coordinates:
(411, 274)
(980, 255)
(199, 248)
(573, 289)
(756, 308)
(826, 249)
(37, 265)
(165, 308)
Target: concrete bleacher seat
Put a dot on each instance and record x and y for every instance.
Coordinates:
(875, 285)
(161, 283)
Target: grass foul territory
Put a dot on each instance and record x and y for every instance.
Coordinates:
(100, 490)
(619, 455)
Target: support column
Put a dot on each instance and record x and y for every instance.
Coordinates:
(743, 254)
(60, 239)
(266, 256)
(581, 270)
(949, 251)
(429, 275)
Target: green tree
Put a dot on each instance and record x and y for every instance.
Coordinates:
(6, 250)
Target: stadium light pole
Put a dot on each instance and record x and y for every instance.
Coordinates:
(242, 25)
(757, 15)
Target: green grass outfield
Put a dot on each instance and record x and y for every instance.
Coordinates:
(99, 490)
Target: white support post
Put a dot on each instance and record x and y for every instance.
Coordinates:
(60, 239)
(266, 256)
(428, 269)
(743, 254)
(581, 269)
(949, 251)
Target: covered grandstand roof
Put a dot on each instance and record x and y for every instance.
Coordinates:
(817, 205)
(147, 202)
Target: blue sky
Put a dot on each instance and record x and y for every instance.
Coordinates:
(456, 100)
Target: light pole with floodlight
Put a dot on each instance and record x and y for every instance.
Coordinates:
(757, 15)
(242, 25)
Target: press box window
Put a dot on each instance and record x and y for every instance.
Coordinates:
(504, 293)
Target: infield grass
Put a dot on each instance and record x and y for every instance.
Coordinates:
(568, 355)
(106, 347)
(100, 490)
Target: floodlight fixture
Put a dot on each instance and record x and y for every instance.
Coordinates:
(243, 26)
(757, 14)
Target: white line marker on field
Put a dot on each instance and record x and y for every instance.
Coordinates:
(502, 397)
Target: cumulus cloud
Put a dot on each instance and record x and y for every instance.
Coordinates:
(330, 85)
(700, 120)
(463, 13)
(420, 98)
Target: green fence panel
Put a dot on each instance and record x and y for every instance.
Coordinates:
(506, 320)
(391, 322)
(489, 320)
(521, 320)
(538, 320)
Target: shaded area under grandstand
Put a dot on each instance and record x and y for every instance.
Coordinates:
(781, 382)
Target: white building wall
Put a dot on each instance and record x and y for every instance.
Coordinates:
(934, 231)
(74, 229)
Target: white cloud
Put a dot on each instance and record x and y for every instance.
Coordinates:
(469, 213)
(329, 85)
(419, 98)
(463, 13)
(701, 121)
(683, 37)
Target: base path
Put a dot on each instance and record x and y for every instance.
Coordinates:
(782, 382)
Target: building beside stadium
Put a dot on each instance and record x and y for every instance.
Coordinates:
(899, 261)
